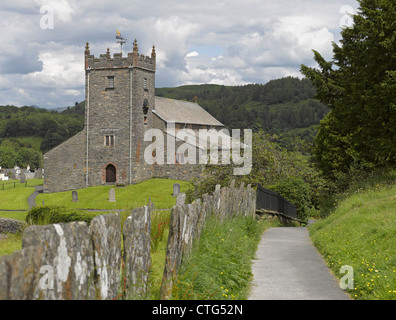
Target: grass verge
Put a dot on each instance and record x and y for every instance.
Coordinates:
(361, 233)
(219, 267)
(159, 239)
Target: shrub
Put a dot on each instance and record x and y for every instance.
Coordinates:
(298, 192)
(57, 214)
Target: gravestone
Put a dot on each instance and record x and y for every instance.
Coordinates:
(112, 197)
(74, 196)
(23, 178)
(176, 189)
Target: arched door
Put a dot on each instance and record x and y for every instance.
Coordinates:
(111, 174)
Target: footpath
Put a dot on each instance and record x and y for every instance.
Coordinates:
(289, 267)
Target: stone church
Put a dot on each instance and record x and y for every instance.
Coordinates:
(120, 106)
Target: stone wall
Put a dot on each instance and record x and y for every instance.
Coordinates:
(188, 220)
(76, 261)
(65, 165)
(11, 225)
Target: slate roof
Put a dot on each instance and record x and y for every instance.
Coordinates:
(212, 139)
(184, 112)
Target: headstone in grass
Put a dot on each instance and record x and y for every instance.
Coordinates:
(112, 197)
(74, 196)
(176, 189)
(23, 178)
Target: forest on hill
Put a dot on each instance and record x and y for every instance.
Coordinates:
(26, 133)
(284, 107)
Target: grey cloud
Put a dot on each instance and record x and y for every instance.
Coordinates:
(23, 64)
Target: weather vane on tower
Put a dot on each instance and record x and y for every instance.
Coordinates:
(120, 39)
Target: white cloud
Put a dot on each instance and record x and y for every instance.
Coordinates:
(62, 67)
(226, 42)
(192, 54)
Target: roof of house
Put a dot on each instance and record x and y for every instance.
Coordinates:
(186, 112)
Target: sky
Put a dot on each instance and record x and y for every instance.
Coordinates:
(229, 42)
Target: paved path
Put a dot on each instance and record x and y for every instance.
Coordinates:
(32, 197)
(289, 267)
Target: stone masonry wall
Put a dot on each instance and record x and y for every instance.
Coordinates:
(183, 172)
(65, 165)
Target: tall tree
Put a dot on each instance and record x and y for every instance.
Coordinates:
(359, 87)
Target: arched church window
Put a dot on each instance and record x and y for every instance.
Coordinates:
(145, 110)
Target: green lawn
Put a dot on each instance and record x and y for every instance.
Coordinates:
(18, 215)
(361, 233)
(15, 199)
(159, 190)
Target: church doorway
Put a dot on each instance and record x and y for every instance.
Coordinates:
(111, 174)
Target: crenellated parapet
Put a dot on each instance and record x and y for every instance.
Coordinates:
(132, 59)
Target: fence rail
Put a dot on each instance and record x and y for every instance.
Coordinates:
(272, 201)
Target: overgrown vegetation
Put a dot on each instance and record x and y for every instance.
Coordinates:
(288, 172)
(219, 267)
(159, 239)
(57, 214)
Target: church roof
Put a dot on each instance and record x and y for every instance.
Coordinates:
(179, 111)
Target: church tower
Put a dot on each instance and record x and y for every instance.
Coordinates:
(119, 103)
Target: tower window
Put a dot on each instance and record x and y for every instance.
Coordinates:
(109, 140)
(145, 111)
(110, 82)
(145, 83)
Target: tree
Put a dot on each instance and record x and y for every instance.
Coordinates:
(359, 87)
(28, 156)
(8, 157)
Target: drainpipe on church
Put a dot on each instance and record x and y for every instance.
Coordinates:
(87, 128)
(130, 123)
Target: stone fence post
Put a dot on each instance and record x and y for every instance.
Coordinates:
(137, 252)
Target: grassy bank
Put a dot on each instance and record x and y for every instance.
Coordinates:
(219, 267)
(361, 233)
